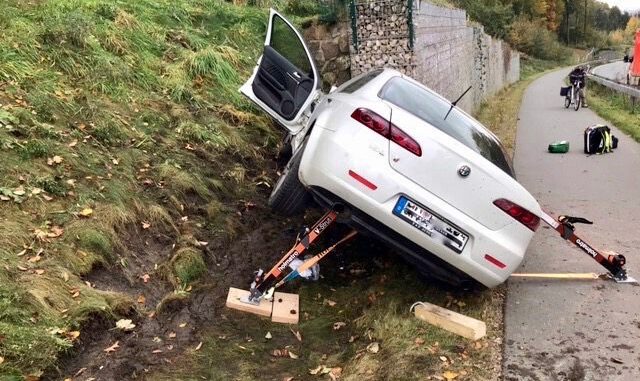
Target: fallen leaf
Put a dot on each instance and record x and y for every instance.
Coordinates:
(617, 360)
(328, 302)
(1, 359)
(23, 252)
(449, 375)
(112, 348)
(172, 335)
(56, 231)
(444, 358)
(321, 369)
(39, 271)
(35, 259)
(418, 341)
(22, 268)
(339, 324)
(182, 325)
(115, 161)
(65, 276)
(57, 159)
(72, 335)
(73, 143)
(335, 373)
(141, 299)
(19, 191)
(125, 324)
(287, 379)
(157, 351)
(268, 336)
(280, 353)
(47, 198)
(86, 212)
(293, 355)
(146, 225)
(145, 277)
(373, 347)
(296, 334)
(35, 191)
(198, 346)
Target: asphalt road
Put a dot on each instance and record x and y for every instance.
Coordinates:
(615, 71)
(562, 329)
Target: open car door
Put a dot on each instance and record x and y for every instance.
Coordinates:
(285, 82)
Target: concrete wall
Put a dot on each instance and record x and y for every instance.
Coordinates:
(449, 54)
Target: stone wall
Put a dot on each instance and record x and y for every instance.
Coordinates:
(330, 48)
(449, 54)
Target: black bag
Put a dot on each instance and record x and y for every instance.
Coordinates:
(564, 91)
(614, 142)
(597, 139)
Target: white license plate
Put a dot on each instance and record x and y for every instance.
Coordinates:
(432, 225)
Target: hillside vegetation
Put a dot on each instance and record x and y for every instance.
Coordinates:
(124, 144)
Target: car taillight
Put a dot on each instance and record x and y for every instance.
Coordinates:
(519, 213)
(387, 129)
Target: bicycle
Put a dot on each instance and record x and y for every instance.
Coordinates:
(573, 96)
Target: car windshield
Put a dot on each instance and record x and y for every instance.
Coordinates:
(432, 109)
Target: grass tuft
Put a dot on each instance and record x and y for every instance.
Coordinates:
(188, 265)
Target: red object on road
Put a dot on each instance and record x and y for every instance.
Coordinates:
(634, 70)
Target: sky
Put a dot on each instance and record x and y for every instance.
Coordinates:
(626, 5)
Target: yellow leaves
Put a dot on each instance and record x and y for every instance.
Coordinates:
(328, 302)
(86, 212)
(449, 375)
(338, 325)
(55, 232)
(125, 324)
(53, 161)
(373, 347)
(73, 143)
(112, 348)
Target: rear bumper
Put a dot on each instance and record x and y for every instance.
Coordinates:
(424, 261)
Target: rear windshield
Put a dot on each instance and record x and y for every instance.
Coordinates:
(432, 109)
(358, 82)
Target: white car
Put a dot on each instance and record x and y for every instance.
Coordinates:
(404, 164)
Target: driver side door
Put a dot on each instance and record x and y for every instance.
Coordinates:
(285, 82)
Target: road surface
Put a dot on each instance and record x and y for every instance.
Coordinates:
(574, 330)
(615, 71)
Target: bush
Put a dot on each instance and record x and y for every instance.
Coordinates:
(533, 38)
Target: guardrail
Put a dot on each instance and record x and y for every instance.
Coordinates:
(631, 91)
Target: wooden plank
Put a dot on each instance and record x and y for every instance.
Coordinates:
(451, 321)
(557, 276)
(263, 309)
(286, 308)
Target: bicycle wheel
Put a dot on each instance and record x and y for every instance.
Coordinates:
(576, 105)
(567, 102)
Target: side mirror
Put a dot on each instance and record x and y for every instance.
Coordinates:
(333, 88)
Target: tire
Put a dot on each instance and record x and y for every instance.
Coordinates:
(289, 196)
(567, 102)
(576, 105)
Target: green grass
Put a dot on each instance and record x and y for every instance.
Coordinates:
(140, 101)
(615, 108)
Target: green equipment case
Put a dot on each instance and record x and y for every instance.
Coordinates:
(559, 147)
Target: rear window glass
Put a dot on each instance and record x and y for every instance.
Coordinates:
(358, 82)
(432, 109)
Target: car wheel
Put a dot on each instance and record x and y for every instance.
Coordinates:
(289, 196)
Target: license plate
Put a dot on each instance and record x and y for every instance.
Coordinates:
(439, 229)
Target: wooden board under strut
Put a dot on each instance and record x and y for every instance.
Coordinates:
(263, 309)
(285, 308)
(451, 321)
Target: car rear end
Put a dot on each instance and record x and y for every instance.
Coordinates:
(446, 198)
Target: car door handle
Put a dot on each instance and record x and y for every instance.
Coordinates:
(295, 76)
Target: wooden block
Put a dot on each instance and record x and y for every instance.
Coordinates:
(451, 321)
(286, 308)
(263, 309)
(557, 276)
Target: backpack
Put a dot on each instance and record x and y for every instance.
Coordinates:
(598, 139)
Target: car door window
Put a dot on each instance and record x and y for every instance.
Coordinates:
(285, 41)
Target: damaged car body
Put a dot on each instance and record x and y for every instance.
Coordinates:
(397, 160)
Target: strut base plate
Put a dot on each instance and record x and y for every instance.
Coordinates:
(238, 299)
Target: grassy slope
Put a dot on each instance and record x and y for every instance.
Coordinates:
(139, 102)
